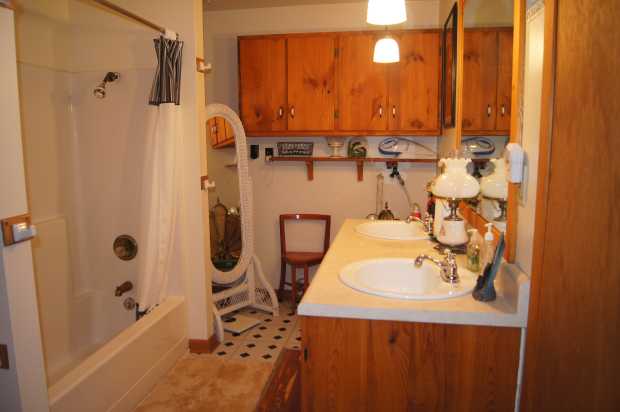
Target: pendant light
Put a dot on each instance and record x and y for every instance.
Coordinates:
(386, 51)
(386, 12)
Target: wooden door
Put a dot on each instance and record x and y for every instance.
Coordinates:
(363, 365)
(262, 83)
(480, 61)
(415, 82)
(504, 81)
(362, 85)
(311, 69)
(573, 358)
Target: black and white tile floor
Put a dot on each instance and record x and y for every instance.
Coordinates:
(265, 341)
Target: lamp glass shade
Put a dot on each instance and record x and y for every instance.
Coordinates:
(495, 185)
(455, 182)
(386, 51)
(386, 12)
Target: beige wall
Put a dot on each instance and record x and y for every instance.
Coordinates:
(488, 13)
(283, 188)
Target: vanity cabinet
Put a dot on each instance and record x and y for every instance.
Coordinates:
(220, 133)
(371, 365)
(326, 84)
(487, 81)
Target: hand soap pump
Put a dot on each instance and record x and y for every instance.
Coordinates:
(474, 250)
(488, 249)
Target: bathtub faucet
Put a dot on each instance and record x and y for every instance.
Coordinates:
(122, 288)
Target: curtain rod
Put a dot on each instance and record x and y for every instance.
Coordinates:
(133, 16)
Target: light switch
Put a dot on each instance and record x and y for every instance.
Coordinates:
(23, 231)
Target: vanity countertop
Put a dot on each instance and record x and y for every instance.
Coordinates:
(328, 296)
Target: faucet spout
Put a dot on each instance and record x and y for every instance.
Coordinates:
(448, 268)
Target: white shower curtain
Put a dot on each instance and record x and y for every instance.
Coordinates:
(161, 190)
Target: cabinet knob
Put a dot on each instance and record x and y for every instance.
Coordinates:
(381, 111)
(280, 112)
(394, 112)
(292, 112)
(489, 110)
(503, 110)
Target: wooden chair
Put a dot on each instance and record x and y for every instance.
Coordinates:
(300, 260)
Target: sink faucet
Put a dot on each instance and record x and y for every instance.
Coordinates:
(427, 222)
(448, 268)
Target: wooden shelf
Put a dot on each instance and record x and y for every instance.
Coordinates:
(359, 161)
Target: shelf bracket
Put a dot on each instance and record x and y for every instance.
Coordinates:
(360, 170)
(310, 168)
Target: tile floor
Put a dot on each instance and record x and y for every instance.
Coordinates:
(265, 341)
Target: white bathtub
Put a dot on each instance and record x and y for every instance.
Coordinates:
(120, 374)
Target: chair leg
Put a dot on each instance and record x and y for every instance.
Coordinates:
(294, 285)
(306, 282)
(282, 278)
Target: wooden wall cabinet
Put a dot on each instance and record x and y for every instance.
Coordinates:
(487, 81)
(220, 133)
(364, 365)
(332, 87)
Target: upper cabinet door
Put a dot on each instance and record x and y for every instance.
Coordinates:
(362, 85)
(414, 83)
(480, 80)
(262, 83)
(504, 81)
(311, 67)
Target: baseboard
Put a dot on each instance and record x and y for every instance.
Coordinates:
(203, 345)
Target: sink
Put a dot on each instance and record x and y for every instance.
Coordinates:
(392, 230)
(399, 278)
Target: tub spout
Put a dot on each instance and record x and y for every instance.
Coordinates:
(122, 288)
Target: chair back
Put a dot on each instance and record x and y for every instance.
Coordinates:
(304, 216)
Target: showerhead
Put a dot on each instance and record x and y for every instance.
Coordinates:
(99, 92)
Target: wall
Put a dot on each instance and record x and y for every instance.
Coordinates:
(488, 13)
(532, 98)
(283, 188)
(22, 387)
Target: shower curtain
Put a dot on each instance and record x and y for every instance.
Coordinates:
(162, 174)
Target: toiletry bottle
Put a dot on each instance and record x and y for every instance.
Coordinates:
(474, 250)
(489, 249)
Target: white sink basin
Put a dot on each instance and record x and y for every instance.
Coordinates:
(392, 230)
(399, 278)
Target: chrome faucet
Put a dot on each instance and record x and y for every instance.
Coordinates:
(448, 268)
(427, 222)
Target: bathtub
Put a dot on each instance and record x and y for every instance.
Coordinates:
(120, 374)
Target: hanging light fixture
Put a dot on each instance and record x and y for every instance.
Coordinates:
(386, 51)
(386, 12)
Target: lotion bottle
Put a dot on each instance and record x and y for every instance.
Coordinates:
(474, 251)
(488, 250)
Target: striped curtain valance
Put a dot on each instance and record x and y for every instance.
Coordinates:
(167, 81)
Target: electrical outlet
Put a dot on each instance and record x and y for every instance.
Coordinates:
(268, 153)
(4, 357)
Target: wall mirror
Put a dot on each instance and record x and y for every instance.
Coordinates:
(448, 68)
(485, 107)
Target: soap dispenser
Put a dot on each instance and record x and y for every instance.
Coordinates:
(488, 249)
(474, 250)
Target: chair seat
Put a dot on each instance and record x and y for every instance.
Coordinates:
(303, 258)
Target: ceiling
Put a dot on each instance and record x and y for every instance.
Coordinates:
(211, 5)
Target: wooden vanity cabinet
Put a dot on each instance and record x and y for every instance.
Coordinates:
(369, 365)
(220, 133)
(262, 83)
(487, 81)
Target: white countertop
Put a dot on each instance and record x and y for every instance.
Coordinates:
(328, 296)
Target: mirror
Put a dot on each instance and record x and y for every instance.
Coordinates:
(485, 104)
(224, 195)
(448, 68)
